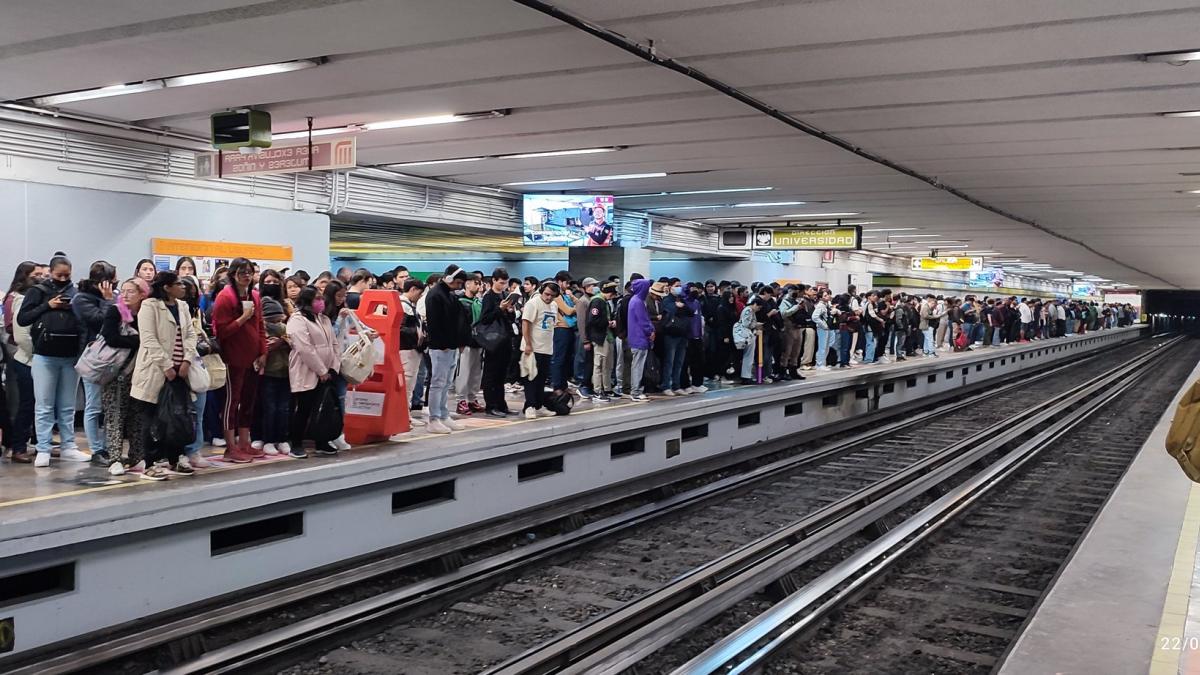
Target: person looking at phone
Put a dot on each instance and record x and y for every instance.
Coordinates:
(90, 304)
(58, 339)
(498, 307)
(238, 323)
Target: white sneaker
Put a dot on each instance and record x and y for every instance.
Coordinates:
(416, 421)
(284, 448)
(340, 443)
(198, 462)
(668, 392)
(436, 427)
(543, 412)
(116, 469)
(531, 413)
(682, 392)
(218, 442)
(822, 367)
(74, 455)
(454, 425)
(699, 390)
(270, 449)
(257, 445)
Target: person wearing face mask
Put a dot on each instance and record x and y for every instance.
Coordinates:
(314, 357)
(694, 372)
(58, 340)
(676, 321)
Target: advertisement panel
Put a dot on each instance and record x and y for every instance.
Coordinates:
(947, 264)
(990, 277)
(1084, 289)
(841, 238)
(568, 220)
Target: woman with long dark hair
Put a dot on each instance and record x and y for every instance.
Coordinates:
(58, 338)
(121, 421)
(145, 270)
(166, 349)
(19, 348)
(314, 358)
(91, 305)
(185, 267)
(204, 347)
(338, 314)
(238, 323)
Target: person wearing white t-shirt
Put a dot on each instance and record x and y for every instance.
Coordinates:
(537, 331)
(1026, 320)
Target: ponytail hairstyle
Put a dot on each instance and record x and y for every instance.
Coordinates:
(122, 308)
(158, 287)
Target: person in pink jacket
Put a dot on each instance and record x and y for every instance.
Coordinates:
(314, 359)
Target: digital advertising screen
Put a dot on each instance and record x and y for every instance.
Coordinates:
(1084, 289)
(568, 220)
(988, 277)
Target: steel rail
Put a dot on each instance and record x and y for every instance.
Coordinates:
(211, 618)
(617, 640)
(802, 610)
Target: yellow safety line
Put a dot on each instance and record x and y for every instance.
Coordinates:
(1171, 642)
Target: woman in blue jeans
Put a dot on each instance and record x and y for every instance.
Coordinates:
(90, 304)
(57, 341)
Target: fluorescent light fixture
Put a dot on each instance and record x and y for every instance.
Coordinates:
(694, 192)
(820, 215)
(1182, 113)
(888, 229)
(1173, 58)
(413, 122)
(752, 204)
(685, 208)
(548, 181)
(1192, 192)
(438, 161)
(913, 236)
(560, 153)
(329, 131)
(177, 81)
(631, 176)
(864, 222)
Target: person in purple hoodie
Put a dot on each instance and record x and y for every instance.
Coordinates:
(641, 336)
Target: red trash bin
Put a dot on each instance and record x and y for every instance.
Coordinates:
(378, 408)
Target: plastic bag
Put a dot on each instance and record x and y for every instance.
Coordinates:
(326, 418)
(198, 378)
(174, 424)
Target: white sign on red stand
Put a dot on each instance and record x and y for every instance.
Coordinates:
(291, 157)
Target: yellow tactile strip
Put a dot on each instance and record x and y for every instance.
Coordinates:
(1172, 652)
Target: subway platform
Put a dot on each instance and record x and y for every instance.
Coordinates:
(1128, 601)
(236, 527)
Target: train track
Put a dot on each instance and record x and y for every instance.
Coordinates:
(562, 592)
(954, 593)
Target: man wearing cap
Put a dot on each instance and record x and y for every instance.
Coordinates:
(598, 339)
(443, 317)
(582, 367)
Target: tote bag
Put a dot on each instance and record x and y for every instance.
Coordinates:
(1184, 431)
(99, 363)
(360, 357)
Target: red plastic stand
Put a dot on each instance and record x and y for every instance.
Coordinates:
(378, 408)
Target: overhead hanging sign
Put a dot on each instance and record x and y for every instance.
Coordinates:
(840, 238)
(339, 153)
(944, 264)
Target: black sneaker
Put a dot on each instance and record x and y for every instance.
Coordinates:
(298, 452)
(496, 413)
(326, 450)
(101, 459)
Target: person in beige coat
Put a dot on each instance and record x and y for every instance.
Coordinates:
(166, 351)
(315, 356)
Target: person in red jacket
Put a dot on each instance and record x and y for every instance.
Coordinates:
(238, 323)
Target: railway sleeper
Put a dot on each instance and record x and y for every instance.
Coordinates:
(571, 523)
(446, 564)
(186, 648)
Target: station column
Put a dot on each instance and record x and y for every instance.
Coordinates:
(603, 262)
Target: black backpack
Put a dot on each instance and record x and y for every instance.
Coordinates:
(560, 403)
(57, 332)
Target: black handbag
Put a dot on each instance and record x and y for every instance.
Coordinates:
(326, 418)
(490, 336)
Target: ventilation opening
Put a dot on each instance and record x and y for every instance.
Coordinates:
(965, 371)
(931, 379)
(1022, 357)
(949, 374)
(831, 401)
(1003, 361)
(910, 382)
(672, 447)
(693, 432)
(37, 584)
(257, 533)
(794, 408)
(978, 367)
(862, 393)
(750, 419)
(991, 364)
(629, 446)
(889, 387)
(539, 468)
(426, 495)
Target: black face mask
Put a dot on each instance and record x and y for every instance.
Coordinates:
(271, 291)
(59, 285)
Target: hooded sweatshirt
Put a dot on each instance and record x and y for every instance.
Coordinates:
(640, 327)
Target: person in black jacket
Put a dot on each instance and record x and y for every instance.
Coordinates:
(412, 342)
(91, 305)
(498, 307)
(443, 318)
(599, 340)
(58, 338)
(726, 316)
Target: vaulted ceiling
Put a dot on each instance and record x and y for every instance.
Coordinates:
(1042, 110)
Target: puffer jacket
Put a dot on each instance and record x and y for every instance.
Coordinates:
(90, 307)
(156, 328)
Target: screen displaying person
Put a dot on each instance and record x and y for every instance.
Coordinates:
(599, 231)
